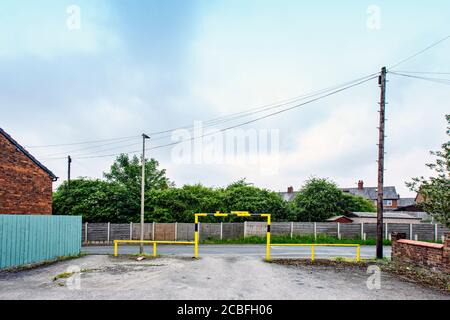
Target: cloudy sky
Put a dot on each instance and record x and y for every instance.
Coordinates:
(81, 71)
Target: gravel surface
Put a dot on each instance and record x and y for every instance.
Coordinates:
(212, 277)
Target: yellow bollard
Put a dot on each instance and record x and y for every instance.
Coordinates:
(154, 249)
(358, 253)
(312, 252)
(268, 239)
(115, 248)
(196, 237)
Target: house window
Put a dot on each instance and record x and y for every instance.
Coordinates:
(388, 203)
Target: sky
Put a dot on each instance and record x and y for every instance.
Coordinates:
(83, 71)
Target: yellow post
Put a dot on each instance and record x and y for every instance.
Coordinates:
(268, 237)
(358, 253)
(312, 252)
(196, 237)
(154, 249)
(115, 248)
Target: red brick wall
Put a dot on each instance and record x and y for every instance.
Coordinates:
(24, 187)
(432, 256)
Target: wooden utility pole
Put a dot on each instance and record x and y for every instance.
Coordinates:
(381, 132)
(69, 161)
(144, 136)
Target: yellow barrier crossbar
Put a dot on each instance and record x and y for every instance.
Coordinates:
(313, 245)
(153, 242)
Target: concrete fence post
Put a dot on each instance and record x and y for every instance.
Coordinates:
(362, 230)
(315, 230)
(435, 232)
(385, 230)
(292, 230)
(245, 229)
(86, 232)
(411, 237)
(131, 230)
(221, 231)
(109, 232)
(153, 230)
(339, 230)
(176, 230)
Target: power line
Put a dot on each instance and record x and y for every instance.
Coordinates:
(79, 143)
(244, 123)
(422, 72)
(420, 52)
(436, 80)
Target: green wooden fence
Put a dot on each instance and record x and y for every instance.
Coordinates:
(26, 239)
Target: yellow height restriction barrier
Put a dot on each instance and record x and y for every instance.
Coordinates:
(154, 243)
(236, 214)
(314, 245)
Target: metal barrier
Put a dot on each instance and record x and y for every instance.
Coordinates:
(116, 243)
(313, 245)
(237, 214)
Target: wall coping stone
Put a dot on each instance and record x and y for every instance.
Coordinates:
(421, 244)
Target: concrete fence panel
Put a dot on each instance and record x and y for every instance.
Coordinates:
(185, 231)
(280, 229)
(27, 239)
(119, 231)
(165, 231)
(303, 228)
(97, 232)
(148, 231)
(400, 228)
(350, 230)
(370, 229)
(253, 228)
(209, 231)
(327, 228)
(233, 230)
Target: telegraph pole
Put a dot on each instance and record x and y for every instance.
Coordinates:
(69, 161)
(144, 136)
(381, 133)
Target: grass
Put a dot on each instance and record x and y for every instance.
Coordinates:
(307, 239)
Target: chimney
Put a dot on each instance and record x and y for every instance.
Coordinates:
(290, 189)
(360, 184)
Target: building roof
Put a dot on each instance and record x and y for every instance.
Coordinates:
(390, 215)
(405, 202)
(26, 153)
(339, 217)
(389, 193)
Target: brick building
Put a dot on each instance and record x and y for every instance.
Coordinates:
(25, 183)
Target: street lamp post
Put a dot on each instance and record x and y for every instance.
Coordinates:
(144, 136)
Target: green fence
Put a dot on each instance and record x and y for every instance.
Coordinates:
(26, 239)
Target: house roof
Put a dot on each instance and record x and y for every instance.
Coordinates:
(26, 153)
(389, 193)
(339, 217)
(390, 215)
(404, 202)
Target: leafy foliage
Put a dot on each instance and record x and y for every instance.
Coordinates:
(435, 191)
(321, 199)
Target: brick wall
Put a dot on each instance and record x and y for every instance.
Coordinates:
(24, 187)
(432, 256)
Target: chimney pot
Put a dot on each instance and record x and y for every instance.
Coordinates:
(290, 190)
(360, 184)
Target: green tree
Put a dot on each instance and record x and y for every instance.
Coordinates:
(94, 200)
(241, 196)
(127, 172)
(320, 199)
(436, 189)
